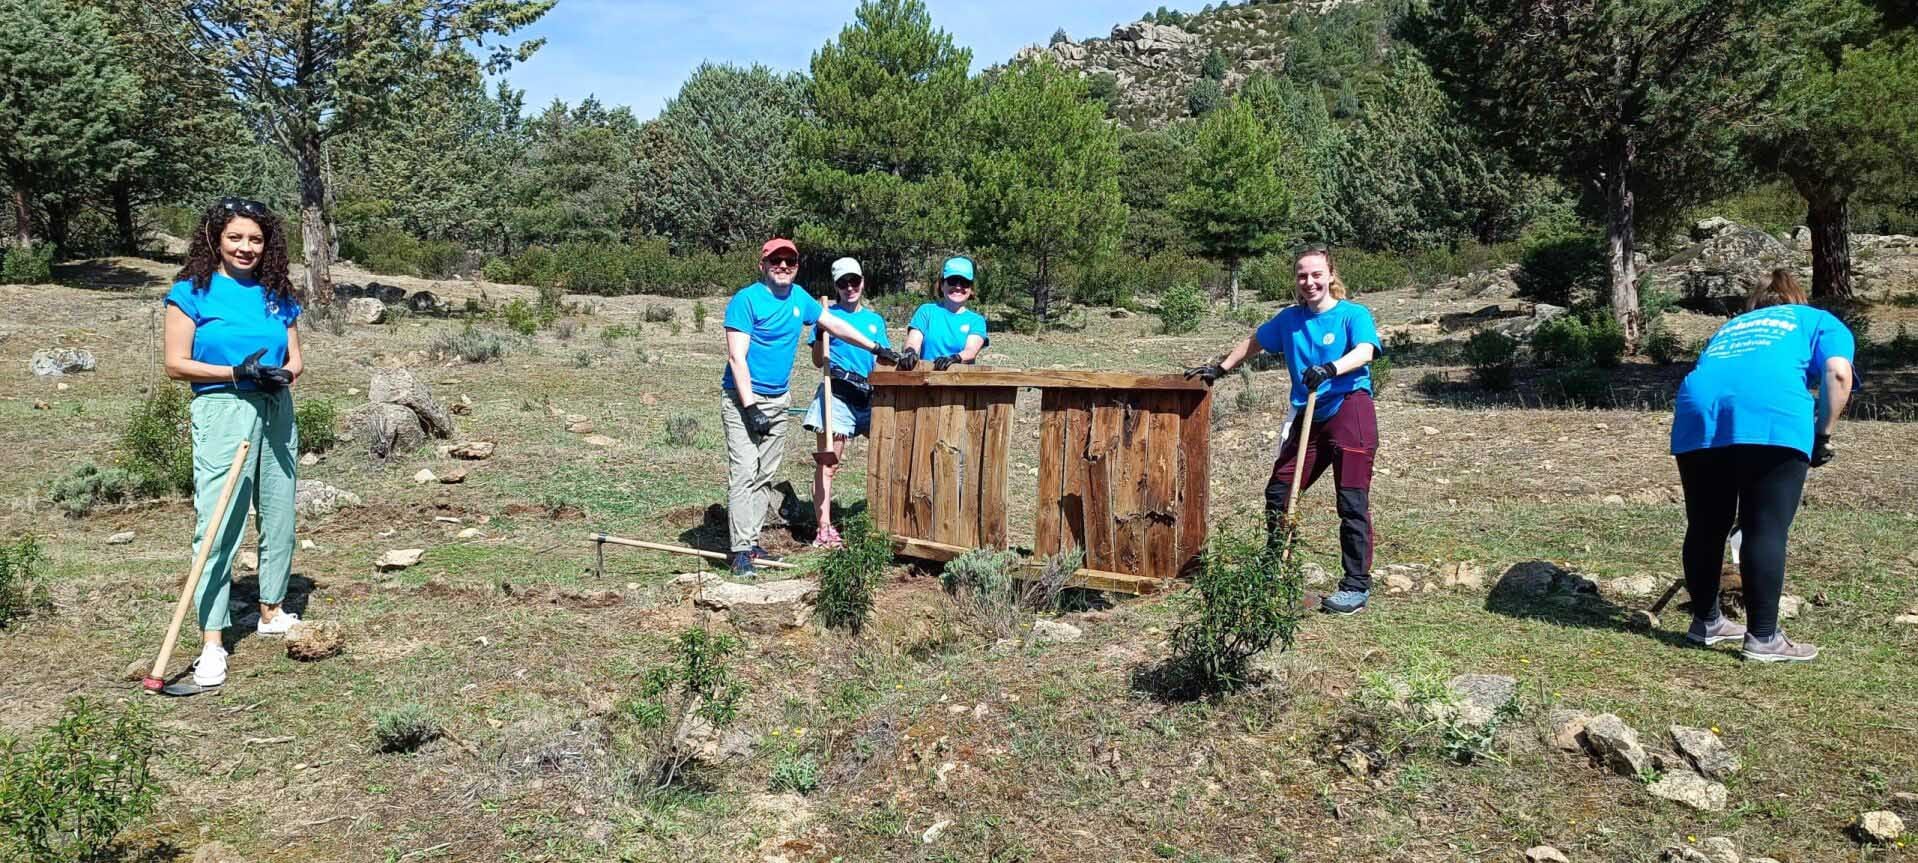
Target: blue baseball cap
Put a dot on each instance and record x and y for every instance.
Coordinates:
(961, 267)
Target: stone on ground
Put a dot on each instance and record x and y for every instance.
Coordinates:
(1616, 745)
(137, 669)
(365, 310)
(474, 450)
(398, 559)
(309, 641)
(1538, 578)
(706, 744)
(1905, 800)
(1545, 854)
(121, 538)
(1478, 698)
(1049, 631)
(599, 440)
(424, 476)
(1566, 730)
(385, 429)
(1909, 618)
(401, 387)
(60, 361)
(470, 533)
(1398, 582)
(1879, 828)
(581, 427)
(1719, 849)
(1464, 574)
(1682, 854)
(1690, 789)
(765, 608)
(310, 459)
(1635, 586)
(454, 475)
(1789, 605)
(1315, 575)
(1705, 751)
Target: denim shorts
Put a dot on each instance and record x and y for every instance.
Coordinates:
(848, 419)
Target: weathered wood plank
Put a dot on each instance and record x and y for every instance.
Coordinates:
(1102, 441)
(994, 461)
(1162, 487)
(949, 470)
(879, 461)
(1128, 482)
(1052, 456)
(972, 499)
(1195, 471)
(1042, 378)
(1077, 405)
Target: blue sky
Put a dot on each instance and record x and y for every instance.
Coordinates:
(636, 52)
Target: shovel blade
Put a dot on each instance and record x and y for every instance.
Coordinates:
(185, 687)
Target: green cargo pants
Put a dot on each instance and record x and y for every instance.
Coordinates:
(220, 421)
(752, 463)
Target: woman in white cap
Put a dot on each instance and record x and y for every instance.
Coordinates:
(946, 332)
(850, 399)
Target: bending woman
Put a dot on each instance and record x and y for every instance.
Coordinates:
(230, 332)
(1745, 431)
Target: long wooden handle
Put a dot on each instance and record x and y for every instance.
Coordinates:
(825, 386)
(1298, 455)
(216, 527)
(680, 549)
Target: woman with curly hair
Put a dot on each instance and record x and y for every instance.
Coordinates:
(231, 333)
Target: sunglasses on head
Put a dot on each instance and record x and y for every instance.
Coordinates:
(245, 207)
(850, 281)
(782, 261)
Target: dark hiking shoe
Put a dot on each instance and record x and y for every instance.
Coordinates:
(1778, 649)
(743, 566)
(760, 553)
(1714, 632)
(1344, 602)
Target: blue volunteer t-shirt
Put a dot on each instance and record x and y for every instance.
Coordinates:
(846, 355)
(1307, 338)
(946, 332)
(1752, 383)
(231, 320)
(775, 324)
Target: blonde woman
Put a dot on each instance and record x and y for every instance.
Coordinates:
(1328, 343)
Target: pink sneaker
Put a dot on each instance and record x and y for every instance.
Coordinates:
(828, 537)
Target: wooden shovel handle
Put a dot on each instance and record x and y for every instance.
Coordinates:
(216, 526)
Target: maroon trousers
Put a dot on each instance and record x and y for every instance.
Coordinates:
(1347, 443)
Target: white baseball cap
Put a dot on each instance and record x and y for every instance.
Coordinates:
(846, 267)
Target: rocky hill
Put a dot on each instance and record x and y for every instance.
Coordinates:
(1152, 66)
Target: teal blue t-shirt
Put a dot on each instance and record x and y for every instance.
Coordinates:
(775, 324)
(946, 332)
(846, 355)
(1752, 383)
(231, 320)
(1307, 338)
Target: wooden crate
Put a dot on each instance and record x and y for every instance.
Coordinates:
(1123, 464)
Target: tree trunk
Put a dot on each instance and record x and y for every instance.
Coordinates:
(1232, 284)
(314, 234)
(59, 223)
(1042, 293)
(1829, 218)
(123, 218)
(22, 218)
(1619, 206)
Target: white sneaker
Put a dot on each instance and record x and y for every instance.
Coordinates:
(279, 625)
(210, 668)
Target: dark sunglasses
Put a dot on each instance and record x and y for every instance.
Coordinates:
(958, 282)
(245, 207)
(850, 282)
(782, 261)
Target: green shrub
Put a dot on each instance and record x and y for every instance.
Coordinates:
(157, 446)
(1182, 308)
(1204, 96)
(89, 485)
(796, 772)
(405, 728)
(1116, 280)
(848, 575)
(1493, 357)
(1246, 597)
(23, 589)
(565, 328)
(1654, 301)
(660, 314)
(1605, 339)
(1561, 341)
(1366, 272)
(583, 360)
(393, 252)
(1273, 278)
(699, 317)
(1563, 269)
(317, 422)
(1662, 345)
(1581, 387)
(497, 270)
(682, 430)
(520, 316)
(980, 583)
(1247, 316)
(32, 265)
(65, 796)
(470, 344)
(1381, 372)
(697, 682)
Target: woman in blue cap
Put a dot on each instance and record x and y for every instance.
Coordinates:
(232, 332)
(946, 332)
(1745, 430)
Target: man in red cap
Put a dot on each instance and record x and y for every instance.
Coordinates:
(764, 322)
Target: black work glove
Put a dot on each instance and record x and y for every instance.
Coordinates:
(943, 363)
(885, 354)
(1821, 453)
(1320, 374)
(1208, 374)
(263, 377)
(906, 360)
(756, 421)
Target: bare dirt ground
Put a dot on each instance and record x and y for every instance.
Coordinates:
(1023, 752)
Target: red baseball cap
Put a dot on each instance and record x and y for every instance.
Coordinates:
(777, 244)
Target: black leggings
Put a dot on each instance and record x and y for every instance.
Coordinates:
(1758, 487)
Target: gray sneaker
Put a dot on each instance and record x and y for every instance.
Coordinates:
(1778, 649)
(1712, 633)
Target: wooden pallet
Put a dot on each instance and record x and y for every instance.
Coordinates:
(1123, 466)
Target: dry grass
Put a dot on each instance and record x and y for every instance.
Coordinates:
(1034, 753)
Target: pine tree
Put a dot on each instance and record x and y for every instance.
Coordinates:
(879, 152)
(438, 170)
(718, 165)
(312, 71)
(66, 96)
(1235, 203)
(1044, 178)
(1152, 170)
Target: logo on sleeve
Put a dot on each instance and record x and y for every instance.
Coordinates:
(965, 328)
(795, 313)
(872, 328)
